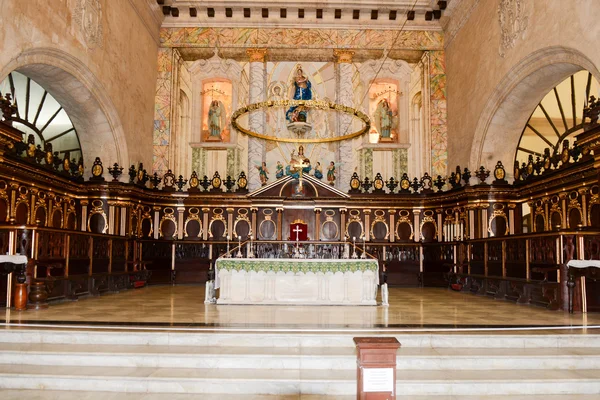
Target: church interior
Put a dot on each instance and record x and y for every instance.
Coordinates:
(300, 200)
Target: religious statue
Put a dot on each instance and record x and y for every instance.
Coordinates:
(384, 120)
(298, 163)
(279, 171)
(331, 173)
(302, 91)
(216, 117)
(262, 173)
(318, 171)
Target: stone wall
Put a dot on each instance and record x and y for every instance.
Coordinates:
(98, 57)
(493, 88)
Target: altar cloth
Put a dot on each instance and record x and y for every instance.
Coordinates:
(297, 281)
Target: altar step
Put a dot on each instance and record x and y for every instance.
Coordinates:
(285, 365)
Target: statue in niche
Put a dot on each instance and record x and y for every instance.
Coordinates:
(279, 170)
(302, 91)
(384, 120)
(331, 173)
(216, 120)
(318, 171)
(262, 173)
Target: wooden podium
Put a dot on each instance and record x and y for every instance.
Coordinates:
(376, 374)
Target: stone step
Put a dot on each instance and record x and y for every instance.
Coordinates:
(292, 357)
(17, 394)
(289, 382)
(484, 339)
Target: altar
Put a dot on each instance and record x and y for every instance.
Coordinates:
(297, 281)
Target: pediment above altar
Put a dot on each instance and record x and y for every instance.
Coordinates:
(290, 187)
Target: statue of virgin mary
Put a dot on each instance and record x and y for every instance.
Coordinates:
(302, 91)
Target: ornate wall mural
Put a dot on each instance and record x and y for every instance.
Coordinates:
(296, 38)
(439, 128)
(88, 17)
(513, 23)
(162, 111)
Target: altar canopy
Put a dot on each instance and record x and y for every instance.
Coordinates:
(298, 282)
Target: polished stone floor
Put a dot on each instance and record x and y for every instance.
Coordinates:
(410, 309)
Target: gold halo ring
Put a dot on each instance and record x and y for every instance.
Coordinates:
(316, 104)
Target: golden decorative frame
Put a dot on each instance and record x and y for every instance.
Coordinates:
(573, 203)
(242, 217)
(380, 217)
(498, 213)
(97, 209)
(404, 218)
(217, 216)
(267, 213)
(428, 216)
(354, 216)
(329, 214)
(146, 215)
(316, 104)
(594, 199)
(169, 215)
(194, 215)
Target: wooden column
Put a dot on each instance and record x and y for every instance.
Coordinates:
(84, 204)
(343, 212)
(484, 221)
(180, 225)
(111, 218)
(392, 214)
(440, 223)
(205, 212)
(317, 223)
(563, 203)
(417, 225)
(123, 220)
(156, 222)
(230, 222)
(254, 211)
(582, 193)
(279, 221)
(511, 218)
(367, 233)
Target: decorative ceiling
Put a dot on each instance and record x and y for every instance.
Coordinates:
(357, 14)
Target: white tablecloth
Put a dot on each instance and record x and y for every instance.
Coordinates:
(13, 259)
(583, 263)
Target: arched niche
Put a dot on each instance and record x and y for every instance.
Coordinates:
(574, 218)
(71, 221)
(97, 223)
(428, 231)
(267, 229)
(146, 227)
(22, 213)
(57, 218)
(40, 216)
(4, 211)
(509, 107)
(540, 223)
(83, 97)
(555, 220)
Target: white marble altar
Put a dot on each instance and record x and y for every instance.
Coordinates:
(292, 281)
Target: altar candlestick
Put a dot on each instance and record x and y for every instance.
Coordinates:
(227, 254)
(354, 247)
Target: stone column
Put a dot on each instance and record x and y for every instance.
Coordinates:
(367, 233)
(345, 96)
(583, 192)
(343, 224)
(279, 222)
(417, 228)
(256, 120)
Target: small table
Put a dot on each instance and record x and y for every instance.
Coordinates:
(579, 264)
(8, 265)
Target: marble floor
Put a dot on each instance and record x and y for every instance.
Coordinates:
(416, 309)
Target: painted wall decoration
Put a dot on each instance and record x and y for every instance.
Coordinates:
(439, 128)
(297, 38)
(162, 111)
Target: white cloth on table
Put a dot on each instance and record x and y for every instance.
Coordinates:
(16, 259)
(583, 263)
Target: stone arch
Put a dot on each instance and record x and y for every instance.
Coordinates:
(516, 96)
(82, 96)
